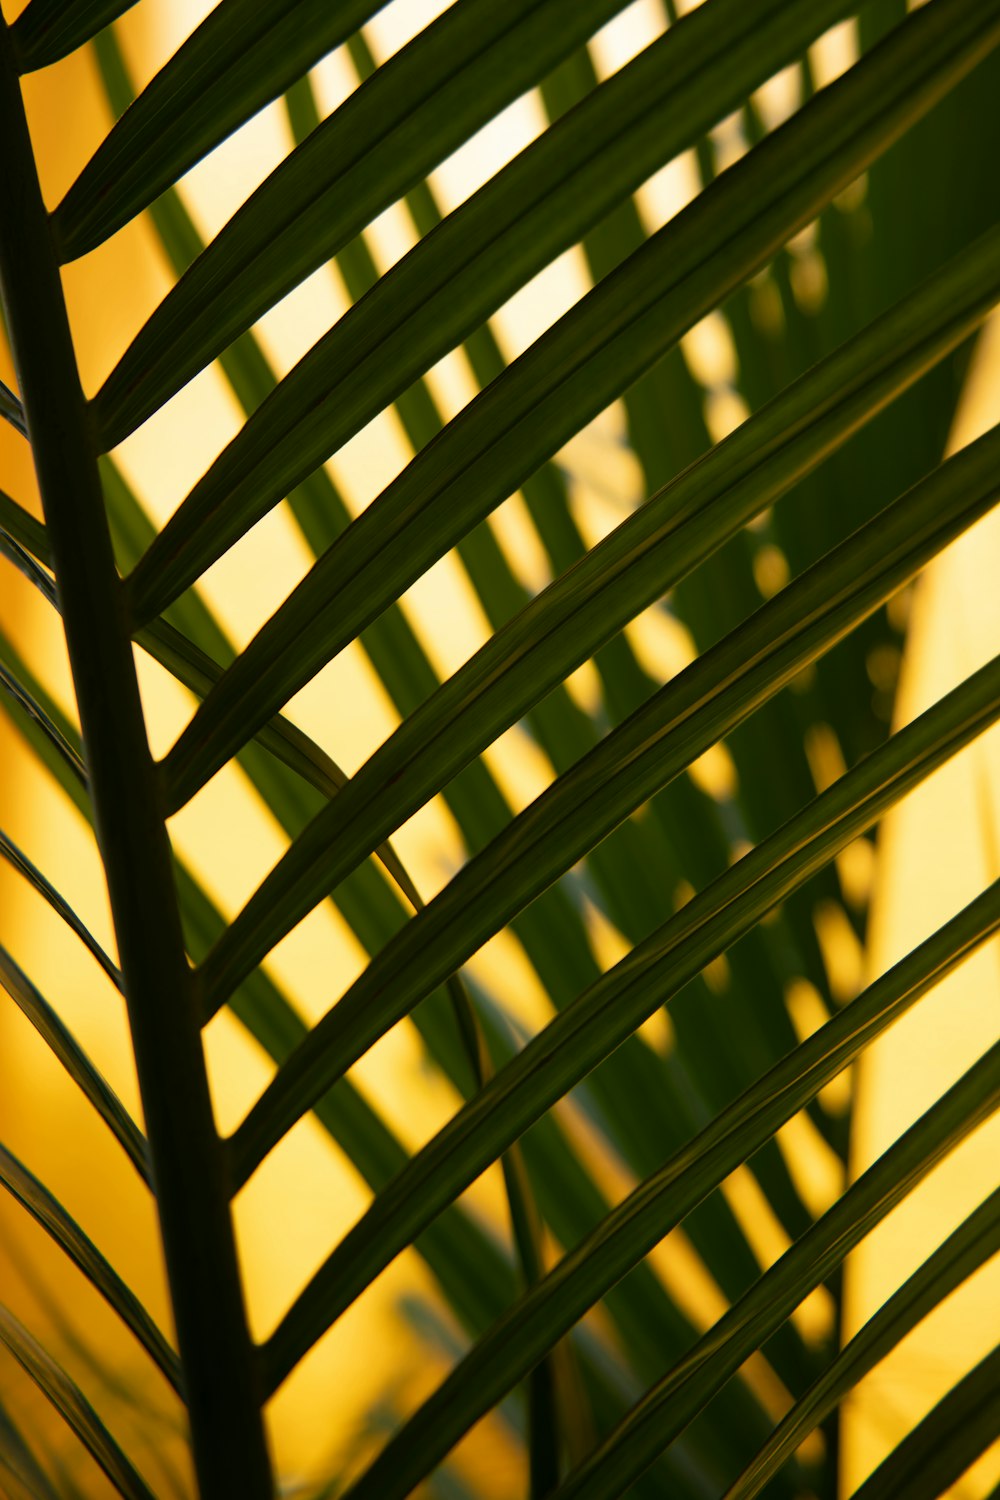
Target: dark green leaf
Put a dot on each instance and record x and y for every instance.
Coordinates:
(25, 563)
(468, 1265)
(20, 862)
(547, 929)
(54, 1219)
(22, 527)
(72, 1057)
(11, 410)
(47, 30)
(26, 701)
(40, 743)
(470, 63)
(962, 1253)
(234, 63)
(692, 712)
(945, 1443)
(601, 1018)
(627, 1234)
(683, 523)
(570, 374)
(73, 1406)
(664, 1412)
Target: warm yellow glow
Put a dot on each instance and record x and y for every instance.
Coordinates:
(936, 852)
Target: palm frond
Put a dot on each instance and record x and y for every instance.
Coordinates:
(844, 258)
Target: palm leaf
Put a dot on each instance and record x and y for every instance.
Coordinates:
(960, 1255)
(36, 1198)
(78, 1065)
(946, 1442)
(822, 480)
(73, 1407)
(584, 1274)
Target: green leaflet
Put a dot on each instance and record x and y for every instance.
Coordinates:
(73, 1406)
(566, 377)
(79, 1067)
(21, 526)
(429, 98)
(608, 842)
(11, 410)
(23, 865)
(25, 563)
(650, 552)
(602, 1017)
(195, 667)
(15, 689)
(408, 676)
(949, 1439)
(393, 653)
(237, 60)
(351, 1122)
(54, 1219)
(963, 1252)
(47, 30)
(661, 738)
(197, 670)
(552, 928)
(663, 1413)
(626, 1235)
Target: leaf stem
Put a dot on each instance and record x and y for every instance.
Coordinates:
(220, 1368)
